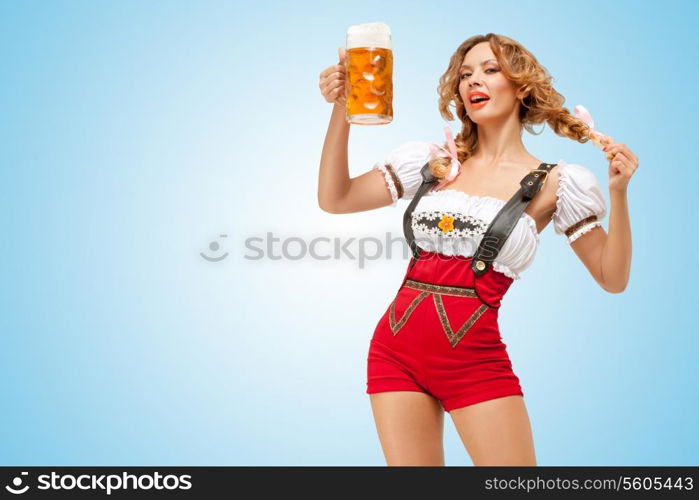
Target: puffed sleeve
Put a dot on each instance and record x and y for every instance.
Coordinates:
(401, 169)
(580, 204)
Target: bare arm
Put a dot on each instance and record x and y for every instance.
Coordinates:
(608, 256)
(616, 253)
(333, 177)
(337, 192)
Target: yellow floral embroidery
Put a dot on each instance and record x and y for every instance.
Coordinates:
(446, 223)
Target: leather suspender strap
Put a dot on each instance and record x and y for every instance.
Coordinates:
(504, 222)
(428, 180)
(501, 226)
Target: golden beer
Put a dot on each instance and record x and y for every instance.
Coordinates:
(369, 83)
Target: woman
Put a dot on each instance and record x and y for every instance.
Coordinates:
(437, 347)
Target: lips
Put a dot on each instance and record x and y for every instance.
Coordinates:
(480, 103)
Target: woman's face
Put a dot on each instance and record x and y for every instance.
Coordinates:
(480, 72)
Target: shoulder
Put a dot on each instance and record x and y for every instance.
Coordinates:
(401, 168)
(573, 175)
(406, 154)
(579, 198)
(564, 175)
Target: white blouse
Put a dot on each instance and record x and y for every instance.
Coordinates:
(452, 222)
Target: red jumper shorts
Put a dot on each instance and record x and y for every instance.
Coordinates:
(440, 335)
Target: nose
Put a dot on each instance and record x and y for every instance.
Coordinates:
(475, 77)
(473, 80)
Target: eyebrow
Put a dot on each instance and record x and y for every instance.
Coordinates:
(482, 64)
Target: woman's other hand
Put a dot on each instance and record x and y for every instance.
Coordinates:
(622, 165)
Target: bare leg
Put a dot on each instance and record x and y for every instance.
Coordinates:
(496, 432)
(410, 425)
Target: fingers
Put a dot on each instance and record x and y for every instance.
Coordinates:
(332, 94)
(619, 160)
(331, 77)
(626, 161)
(624, 164)
(332, 81)
(339, 95)
(333, 90)
(619, 147)
(330, 84)
(335, 68)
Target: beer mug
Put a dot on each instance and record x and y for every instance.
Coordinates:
(369, 83)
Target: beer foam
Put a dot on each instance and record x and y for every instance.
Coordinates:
(369, 35)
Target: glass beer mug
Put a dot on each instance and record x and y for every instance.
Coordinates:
(369, 83)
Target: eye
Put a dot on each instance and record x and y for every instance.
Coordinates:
(489, 69)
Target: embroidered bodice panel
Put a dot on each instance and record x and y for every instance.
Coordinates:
(452, 222)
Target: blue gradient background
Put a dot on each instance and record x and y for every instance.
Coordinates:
(134, 134)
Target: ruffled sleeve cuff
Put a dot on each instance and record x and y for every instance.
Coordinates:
(580, 205)
(401, 169)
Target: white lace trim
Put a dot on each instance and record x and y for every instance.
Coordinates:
(487, 203)
(502, 268)
(582, 230)
(389, 182)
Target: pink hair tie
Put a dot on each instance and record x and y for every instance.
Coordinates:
(438, 150)
(598, 138)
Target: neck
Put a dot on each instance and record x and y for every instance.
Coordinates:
(500, 142)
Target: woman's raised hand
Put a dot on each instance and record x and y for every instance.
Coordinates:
(332, 81)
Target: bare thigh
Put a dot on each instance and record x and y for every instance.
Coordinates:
(496, 432)
(410, 425)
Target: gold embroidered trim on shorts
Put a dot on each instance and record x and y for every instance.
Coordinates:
(453, 336)
(396, 325)
(458, 291)
(437, 291)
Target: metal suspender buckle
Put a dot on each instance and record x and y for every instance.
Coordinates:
(528, 185)
(545, 172)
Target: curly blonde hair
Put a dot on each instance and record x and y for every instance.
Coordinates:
(542, 103)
